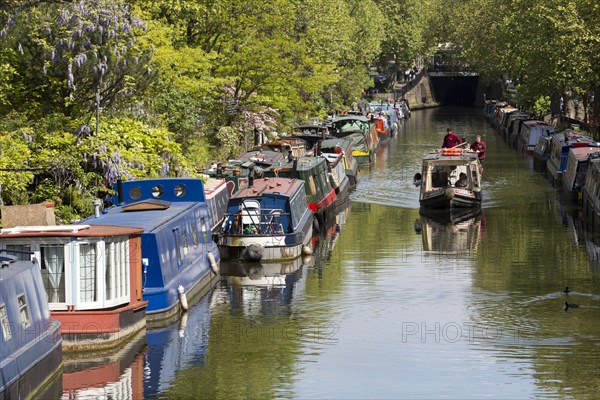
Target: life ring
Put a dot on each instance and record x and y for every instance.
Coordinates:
(452, 151)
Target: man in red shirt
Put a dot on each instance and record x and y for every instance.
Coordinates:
(451, 140)
(479, 147)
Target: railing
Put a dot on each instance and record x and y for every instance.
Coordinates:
(251, 222)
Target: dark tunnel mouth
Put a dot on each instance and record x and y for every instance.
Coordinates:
(458, 95)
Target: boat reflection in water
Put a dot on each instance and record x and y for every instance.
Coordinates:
(176, 347)
(451, 232)
(324, 243)
(110, 375)
(262, 288)
(592, 247)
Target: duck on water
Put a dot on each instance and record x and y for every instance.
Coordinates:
(570, 305)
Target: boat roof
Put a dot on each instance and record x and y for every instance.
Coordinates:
(213, 185)
(278, 143)
(532, 122)
(147, 219)
(10, 267)
(569, 137)
(68, 231)
(262, 157)
(345, 118)
(271, 186)
(332, 143)
(583, 153)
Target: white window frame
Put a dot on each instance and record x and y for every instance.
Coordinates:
(5, 325)
(120, 271)
(35, 248)
(80, 304)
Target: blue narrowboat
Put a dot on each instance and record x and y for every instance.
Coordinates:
(268, 221)
(179, 257)
(30, 350)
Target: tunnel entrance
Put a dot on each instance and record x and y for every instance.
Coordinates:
(453, 90)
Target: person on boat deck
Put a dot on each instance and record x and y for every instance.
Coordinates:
(451, 139)
(462, 180)
(479, 147)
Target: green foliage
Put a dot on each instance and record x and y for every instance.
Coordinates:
(14, 177)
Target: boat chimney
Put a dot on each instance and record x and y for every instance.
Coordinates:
(295, 168)
(96, 204)
(120, 190)
(251, 177)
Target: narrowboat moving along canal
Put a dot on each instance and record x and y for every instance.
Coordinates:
(92, 277)
(269, 221)
(180, 260)
(31, 351)
(440, 180)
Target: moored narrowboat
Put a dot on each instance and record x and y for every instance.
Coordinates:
(361, 131)
(560, 144)
(268, 221)
(180, 259)
(217, 193)
(30, 350)
(92, 277)
(531, 131)
(575, 174)
(314, 171)
(591, 196)
(339, 179)
(344, 147)
(450, 178)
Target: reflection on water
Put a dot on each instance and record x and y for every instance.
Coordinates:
(115, 375)
(451, 231)
(262, 288)
(178, 346)
(398, 303)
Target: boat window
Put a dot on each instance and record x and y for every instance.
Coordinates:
(6, 332)
(53, 271)
(24, 311)
(158, 191)
(185, 243)
(116, 273)
(177, 248)
(180, 190)
(87, 271)
(20, 247)
(194, 237)
(203, 229)
(135, 192)
(312, 186)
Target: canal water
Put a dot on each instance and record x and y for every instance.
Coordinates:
(394, 304)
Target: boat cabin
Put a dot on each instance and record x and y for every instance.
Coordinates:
(267, 221)
(450, 178)
(92, 277)
(577, 165)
